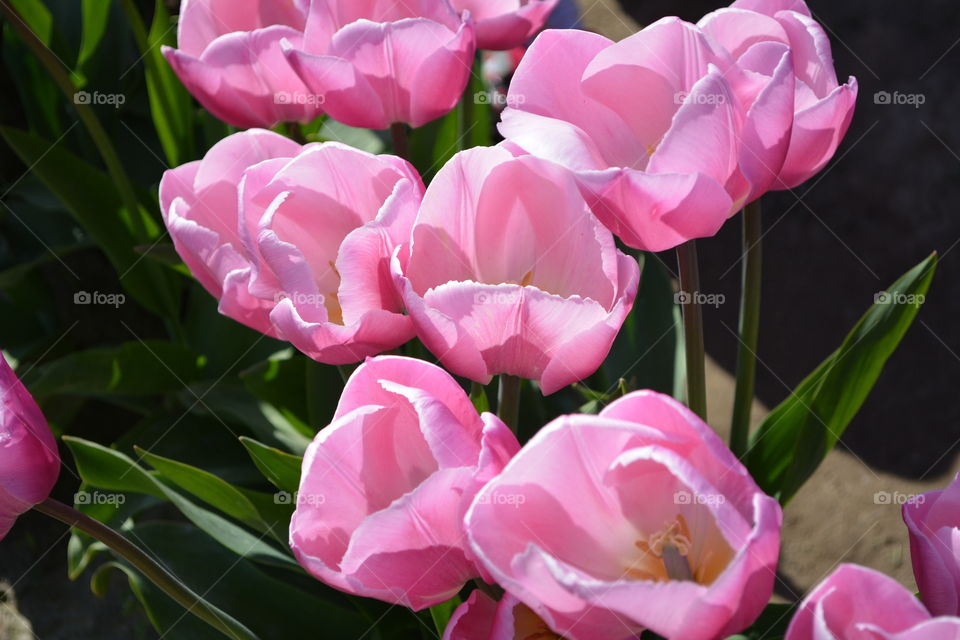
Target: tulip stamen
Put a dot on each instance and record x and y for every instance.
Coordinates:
(672, 545)
(527, 279)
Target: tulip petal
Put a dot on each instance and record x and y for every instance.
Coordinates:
(817, 133)
(413, 549)
(656, 212)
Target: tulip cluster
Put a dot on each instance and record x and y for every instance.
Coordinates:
(599, 527)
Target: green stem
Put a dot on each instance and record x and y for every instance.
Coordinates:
(147, 566)
(295, 133)
(508, 401)
(401, 145)
(693, 328)
(749, 327)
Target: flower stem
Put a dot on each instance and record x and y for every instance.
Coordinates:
(401, 145)
(295, 133)
(749, 327)
(148, 567)
(508, 401)
(693, 328)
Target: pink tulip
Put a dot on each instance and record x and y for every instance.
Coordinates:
(933, 520)
(480, 618)
(295, 241)
(667, 135)
(505, 24)
(229, 58)
(200, 209)
(385, 486)
(639, 518)
(509, 273)
(379, 62)
(29, 461)
(823, 108)
(856, 603)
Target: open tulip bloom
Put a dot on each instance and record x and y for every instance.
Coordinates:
(507, 272)
(505, 24)
(638, 518)
(823, 107)
(856, 603)
(295, 241)
(933, 520)
(380, 62)
(230, 59)
(385, 486)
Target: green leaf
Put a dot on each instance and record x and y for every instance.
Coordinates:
(262, 419)
(279, 467)
(281, 381)
(442, 613)
(132, 369)
(37, 17)
(363, 139)
(771, 625)
(171, 106)
(109, 469)
(798, 434)
(271, 608)
(159, 607)
(96, 16)
(216, 492)
(91, 197)
(478, 396)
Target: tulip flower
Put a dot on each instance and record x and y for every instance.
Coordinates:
(505, 24)
(823, 107)
(933, 520)
(509, 273)
(380, 62)
(295, 241)
(666, 134)
(384, 488)
(29, 461)
(638, 518)
(229, 58)
(480, 618)
(856, 603)
(199, 205)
